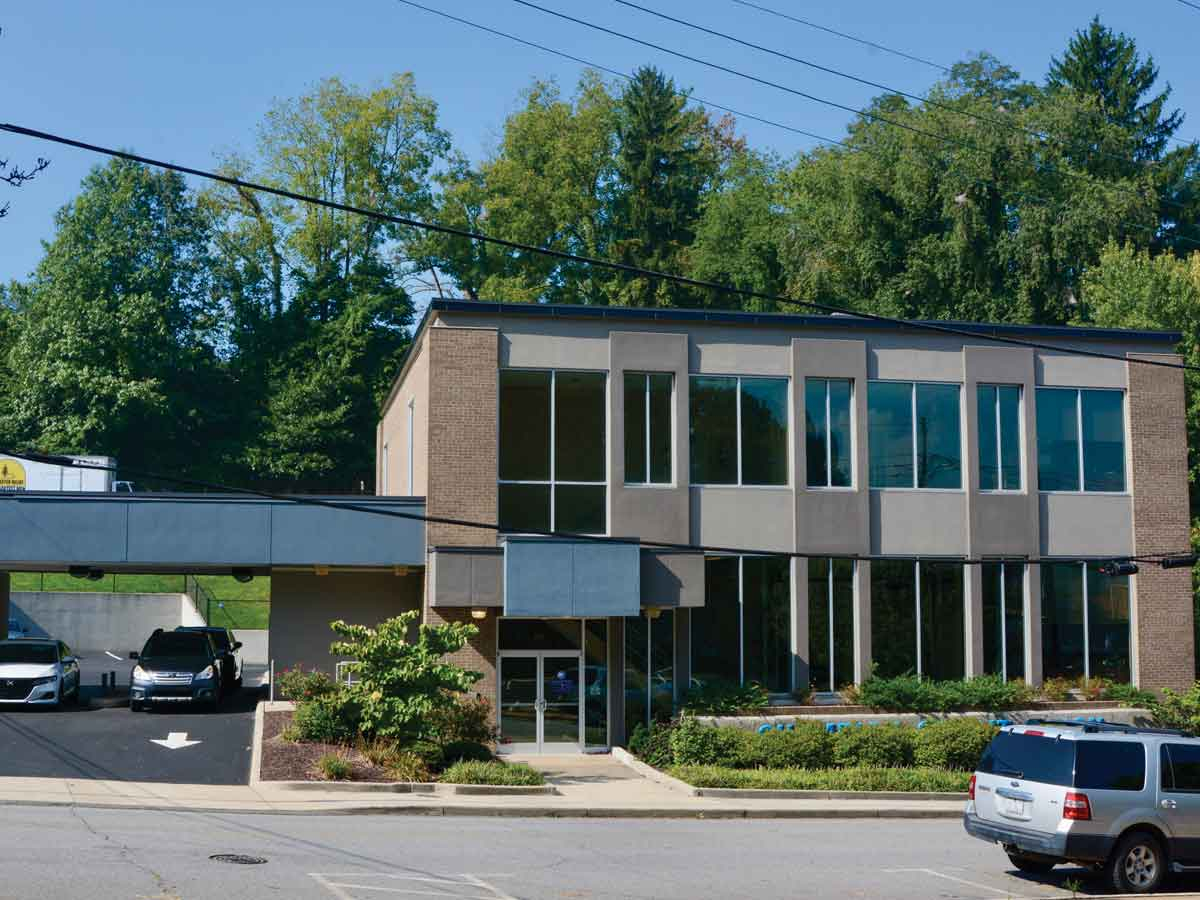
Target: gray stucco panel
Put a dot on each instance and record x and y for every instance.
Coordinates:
(549, 578)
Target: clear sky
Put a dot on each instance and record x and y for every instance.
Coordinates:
(188, 81)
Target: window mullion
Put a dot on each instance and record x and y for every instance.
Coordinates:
(920, 668)
(916, 482)
(553, 434)
(999, 442)
(829, 592)
(741, 621)
(1079, 434)
(828, 441)
(649, 478)
(1003, 625)
(1087, 649)
(739, 433)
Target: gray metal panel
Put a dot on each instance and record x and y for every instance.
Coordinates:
(549, 578)
(306, 534)
(1086, 525)
(199, 532)
(466, 577)
(672, 579)
(48, 529)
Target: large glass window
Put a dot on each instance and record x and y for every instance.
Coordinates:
(595, 684)
(1085, 622)
(830, 623)
(739, 429)
(648, 427)
(914, 435)
(1081, 440)
(999, 437)
(649, 669)
(917, 618)
(1004, 619)
(828, 432)
(743, 631)
(552, 451)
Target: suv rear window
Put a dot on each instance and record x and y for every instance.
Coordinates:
(1110, 765)
(1045, 759)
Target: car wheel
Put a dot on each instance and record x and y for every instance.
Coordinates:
(1032, 865)
(1138, 865)
(135, 706)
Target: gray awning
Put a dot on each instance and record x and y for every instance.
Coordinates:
(546, 577)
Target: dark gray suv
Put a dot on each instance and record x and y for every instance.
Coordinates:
(1125, 800)
(176, 667)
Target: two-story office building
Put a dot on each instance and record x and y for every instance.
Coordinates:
(938, 504)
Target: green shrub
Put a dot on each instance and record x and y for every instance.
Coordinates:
(810, 746)
(297, 684)
(1128, 695)
(468, 751)
(379, 751)
(653, 745)
(492, 773)
(1180, 711)
(462, 719)
(335, 767)
(1057, 689)
(857, 779)
(725, 698)
(408, 766)
(955, 743)
(693, 743)
(877, 746)
(908, 693)
(325, 720)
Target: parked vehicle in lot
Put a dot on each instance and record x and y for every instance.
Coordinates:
(37, 672)
(1123, 799)
(16, 630)
(228, 646)
(176, 667)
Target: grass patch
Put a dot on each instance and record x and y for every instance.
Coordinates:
(474, 772)
(857, 779)
(335, 767)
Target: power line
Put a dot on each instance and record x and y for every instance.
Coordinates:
(1034, 198)
(625, 268)
(1194, 6)
(842, 34)
(305, 500)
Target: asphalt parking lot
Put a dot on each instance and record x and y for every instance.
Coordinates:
(116, 744)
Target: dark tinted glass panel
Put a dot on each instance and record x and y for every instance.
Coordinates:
(524, 425)
(662, 666)
(816, 430)
(1183, 773)
(635, 428)
(1042, 759)
(939, 439)
(661, 428)
(714, 430)
(716, 638)
(1110, 766)
(767, 621)
(993, 617)
(818, 625)
(525, 507)
(539, 634)
(989, 447)
(894, 616)
(1014, 618)
(637, 668)
(943, 645)
(1010, 437)
(890, 434)
(579, 417)
(35, 654)
(1058, 440)
(579, 508)
(1108, 625)
(839, 433)
(1062, 620)
(843, 622)
(1103, 441)
(171, 643)
(764, 431)
(595, 684)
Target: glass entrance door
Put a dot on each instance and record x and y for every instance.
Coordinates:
(541, 698)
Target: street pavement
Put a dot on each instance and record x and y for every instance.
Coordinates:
(53, 853)
(117, 744)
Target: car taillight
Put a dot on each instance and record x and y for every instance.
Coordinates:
(1076, 806)
(1030, 731)
(971, 788)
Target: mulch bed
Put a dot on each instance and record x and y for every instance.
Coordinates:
(287, 761)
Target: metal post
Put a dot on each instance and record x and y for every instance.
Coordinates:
(112, 682)
(271, 689)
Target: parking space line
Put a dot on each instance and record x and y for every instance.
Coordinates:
(340, 886)
(996, 891)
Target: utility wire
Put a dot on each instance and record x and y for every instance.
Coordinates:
(625, 268)
(1192, 5)
(304, 500)
(937, 136)
(978, 182)
(842, 34)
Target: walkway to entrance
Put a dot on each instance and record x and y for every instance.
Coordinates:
(599, 776)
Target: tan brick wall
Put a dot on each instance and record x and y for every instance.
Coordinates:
(463, 406)
(1158, 451)
(479, 655)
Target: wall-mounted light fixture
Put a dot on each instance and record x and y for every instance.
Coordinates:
(652, 612)
(243, 576)
(478, 613)
(321, 570)
(399, 570)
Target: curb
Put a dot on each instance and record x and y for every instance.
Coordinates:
(783, 794)
(649, 772)
(352, 787)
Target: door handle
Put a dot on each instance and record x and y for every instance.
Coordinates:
(1168, 804)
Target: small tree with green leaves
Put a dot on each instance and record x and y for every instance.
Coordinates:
(400, 685)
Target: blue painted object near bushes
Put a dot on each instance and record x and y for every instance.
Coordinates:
(764, 728)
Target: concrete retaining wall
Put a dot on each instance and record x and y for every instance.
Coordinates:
(98, 621)
(254, 646)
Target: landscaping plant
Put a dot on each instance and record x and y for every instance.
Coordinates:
(335, 767)
(855, 779)
(493, 772)
(725, 698)
(298, 684)
(653, 745)
(954, 743)
(875, 746)
(1180, 711)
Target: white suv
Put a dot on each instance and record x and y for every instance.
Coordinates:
(1123, 799)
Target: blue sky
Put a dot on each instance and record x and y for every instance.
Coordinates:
(187, 82)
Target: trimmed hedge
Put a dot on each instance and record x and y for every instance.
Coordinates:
(953, 743)
(908, 693)
(470, 772)
(857, 779)
(875, 746)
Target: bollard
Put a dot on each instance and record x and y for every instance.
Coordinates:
(112, 682)
(103, 683)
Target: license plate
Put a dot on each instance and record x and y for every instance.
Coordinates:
(1015, 809)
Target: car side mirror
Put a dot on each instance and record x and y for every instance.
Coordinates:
(133, 654)
(237, 645)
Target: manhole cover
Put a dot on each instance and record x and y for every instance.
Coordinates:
(237, 859)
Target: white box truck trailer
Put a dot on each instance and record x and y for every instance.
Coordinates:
(23, 475)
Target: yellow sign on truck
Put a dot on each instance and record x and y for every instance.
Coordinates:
(12, 475)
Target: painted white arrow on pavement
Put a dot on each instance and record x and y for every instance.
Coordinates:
(175, 741)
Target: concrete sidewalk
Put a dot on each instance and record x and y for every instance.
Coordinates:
(586, 786)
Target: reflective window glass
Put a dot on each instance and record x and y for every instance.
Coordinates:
(894, 616)
(766, 622)
(938, 436)
(764, 430)
(1062, 620)
(524, 425)
(716, 632)
(1103, 418)
(714, 431)
(890, 433)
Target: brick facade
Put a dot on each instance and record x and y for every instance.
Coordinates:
(479, 655)
(1165, 651)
